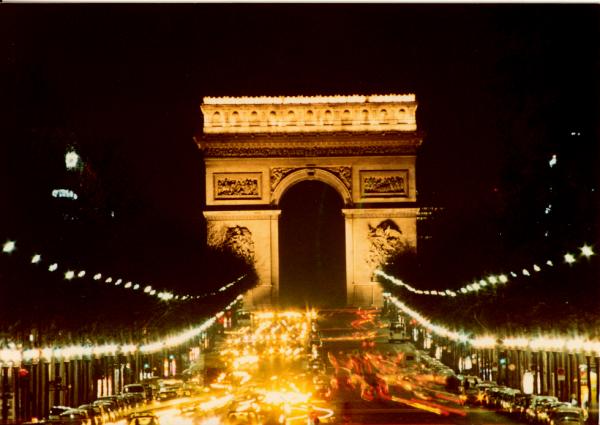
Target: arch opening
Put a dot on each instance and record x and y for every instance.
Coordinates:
(312, 247)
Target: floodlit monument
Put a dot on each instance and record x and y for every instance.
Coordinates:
(364, 147)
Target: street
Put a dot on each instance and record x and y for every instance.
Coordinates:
(338, 364)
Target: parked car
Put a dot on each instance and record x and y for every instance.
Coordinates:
(567, 416)
(95, 412)
(547, 409)
(537, 403)
(521, 403)
(507, 399)
(480, 394)
(75, 417)
(118, 403)
(111, 413)
(166, 393)
(55, 411)
(135, 391)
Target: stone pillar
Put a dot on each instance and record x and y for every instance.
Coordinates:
(254, 235)
(374, 235)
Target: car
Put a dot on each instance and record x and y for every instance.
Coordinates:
(143, 418)
(536, 405)
(75, 417)
(548, 409)
(118, 402)
(111, 413)
(136, 391)
(522, 403)
(398, 332)
(55, 411)
(166, 393)
(507, 399)
(95, 412)
(567, 416)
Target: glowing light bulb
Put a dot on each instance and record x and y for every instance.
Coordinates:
(128, 285)
(71, 160)
(569, 258)
(69, 275)
(36, 258)
(587, 251)
(81, 273)
(8, 247)
(53, 267)
(97, 276)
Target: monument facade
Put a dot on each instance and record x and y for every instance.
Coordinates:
(364, 147)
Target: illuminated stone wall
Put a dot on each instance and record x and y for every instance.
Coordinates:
(364, 147)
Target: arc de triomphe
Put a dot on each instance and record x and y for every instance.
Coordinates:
(256, 148)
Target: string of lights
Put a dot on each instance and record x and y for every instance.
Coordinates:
(69, 274)
(490, 281)
(535, 343)
(16, 355)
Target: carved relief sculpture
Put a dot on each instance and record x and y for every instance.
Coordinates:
(237, 185)
(384, 183)
(236, 239)
(385, 241)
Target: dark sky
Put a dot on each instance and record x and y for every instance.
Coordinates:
(500, 88)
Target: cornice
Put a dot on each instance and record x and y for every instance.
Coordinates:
(380, 212)
(308, 146)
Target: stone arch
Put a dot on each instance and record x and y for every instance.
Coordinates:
(311, 174)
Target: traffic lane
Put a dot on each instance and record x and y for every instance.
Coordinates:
(407, 416)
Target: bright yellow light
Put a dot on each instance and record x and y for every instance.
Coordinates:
(71, 159)
(569, 258)
(69, 275)
(484, 342)
(587, 251)
(36, 258)
(8, 247)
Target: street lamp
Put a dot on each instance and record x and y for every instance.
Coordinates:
(71, 160)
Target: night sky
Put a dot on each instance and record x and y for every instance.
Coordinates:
(500, 89)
